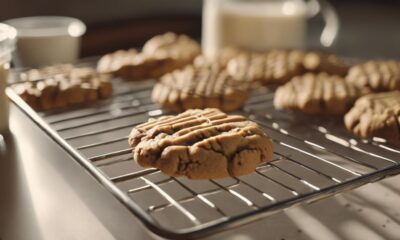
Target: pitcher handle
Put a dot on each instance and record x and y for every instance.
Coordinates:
(331, 29)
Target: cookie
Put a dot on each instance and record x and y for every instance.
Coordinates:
(323, 62)
(376, 75)
(131, 64)
(170, 45)
(317, 94)
(161, 54)
(200, 87)
(376, 115)
(46, 72)
(60, 91)
(276, 66)
(201, 144)
(222, 58)
(29, 93)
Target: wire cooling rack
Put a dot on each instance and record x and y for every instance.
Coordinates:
(314, 158)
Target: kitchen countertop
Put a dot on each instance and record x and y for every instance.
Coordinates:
(45, 194)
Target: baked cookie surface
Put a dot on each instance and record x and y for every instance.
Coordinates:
(161, 54)
(178, 47)
(276, 66)
(200, 87)
(322, 62)
(201, 144)
(79, 85)
(317, 94)
(376, 75)
(222, 57)
(46, 72)
(133, 65)
(376, 115)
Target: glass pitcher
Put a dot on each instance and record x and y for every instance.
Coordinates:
(260, 25)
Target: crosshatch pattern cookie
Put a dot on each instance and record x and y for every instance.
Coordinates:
(222, 57)
(322, 62)
(376, 115)
(201, 144)
(317, 94)
(376, 75)
(60, 91)
(204, 87)
(276, 66)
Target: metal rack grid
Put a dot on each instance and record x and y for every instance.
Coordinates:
(314, 158)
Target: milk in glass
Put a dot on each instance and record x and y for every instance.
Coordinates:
(254, 25)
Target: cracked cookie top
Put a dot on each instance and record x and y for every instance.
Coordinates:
(376, 75)
(200, 87)
(201, 144)
(376, 115)
(317, 94)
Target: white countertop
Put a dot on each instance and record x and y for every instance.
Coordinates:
(44, 194)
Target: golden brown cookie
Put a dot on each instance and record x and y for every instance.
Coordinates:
(323, 62)
(276, 66)
(161, 54)
(317, 94)
(46, 72)
(201, 144)
(29, 94)
(130, 64)
(376, 115)
(171, 45)
(376, 75)
(62, 90)
(200, 87)
(222, 58)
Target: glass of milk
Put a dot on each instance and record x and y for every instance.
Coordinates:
(7, 42)
(260, 25)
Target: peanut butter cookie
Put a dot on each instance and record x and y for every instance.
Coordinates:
(376, 115)
(78, 86)
(317, 94)
(201, 144)
(200, 87)
(276, 66)
(161, 54)
(376, 75)
(322, 62)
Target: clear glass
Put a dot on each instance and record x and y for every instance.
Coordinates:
(46, 40)
(263, 24)
(7, 43)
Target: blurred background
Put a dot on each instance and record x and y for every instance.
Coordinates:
(369, 28)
